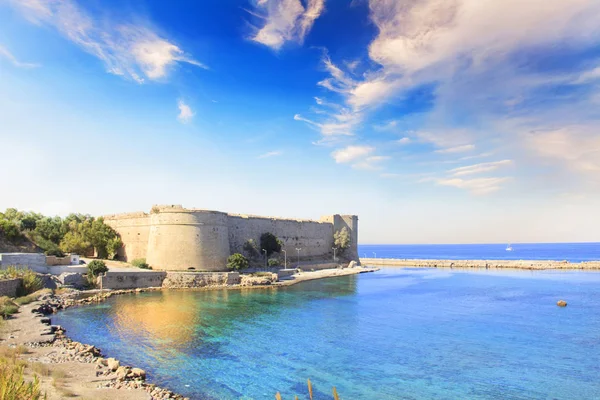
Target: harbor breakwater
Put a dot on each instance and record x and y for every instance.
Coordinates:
(497, 264)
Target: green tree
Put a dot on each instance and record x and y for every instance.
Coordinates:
(237, 262)
(251, 249)
(112, 247)
(270, 243)
(75, 242)
(51, 229)
(97, 267)
(10, 230)
(341, 239)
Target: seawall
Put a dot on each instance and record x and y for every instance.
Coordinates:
(514, 264)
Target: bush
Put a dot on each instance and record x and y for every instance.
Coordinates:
(31, 282)
(341, 239)
(97, 267)
(251, 248)
(237, 262)
(14, 385)
(7, 307)
(10, 229)
(274, 262)
(140, 263)
(270, 243)
(54, 251)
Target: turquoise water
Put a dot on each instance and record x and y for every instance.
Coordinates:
(393, 334)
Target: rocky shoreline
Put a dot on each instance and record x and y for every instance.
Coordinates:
(49, 344)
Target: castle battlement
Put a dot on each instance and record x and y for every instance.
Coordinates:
(172, 237)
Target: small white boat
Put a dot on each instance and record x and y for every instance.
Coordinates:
(509, 247)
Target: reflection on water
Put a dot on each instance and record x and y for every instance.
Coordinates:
(394, 334)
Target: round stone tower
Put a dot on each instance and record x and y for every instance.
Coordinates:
(181, 239)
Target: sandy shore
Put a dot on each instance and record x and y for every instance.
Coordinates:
(513, 264)
(70, 369)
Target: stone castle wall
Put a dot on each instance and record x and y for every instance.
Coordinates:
(175, 238)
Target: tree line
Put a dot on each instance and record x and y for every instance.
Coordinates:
(76, 233)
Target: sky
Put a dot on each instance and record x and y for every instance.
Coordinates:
(434, 121)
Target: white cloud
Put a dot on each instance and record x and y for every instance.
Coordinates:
(479, 168)
(456, 149)
(351, 153)
(478, 186)
(129, 50)
(185, 112)
(271, 154)
(370, 163)
(588, 76)
(10, 57)
(286, 20)
(404, 140)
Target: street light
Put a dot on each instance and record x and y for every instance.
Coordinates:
(298, 250)
(334, 249)
(375, 254)
(266, 260)
(285, 259)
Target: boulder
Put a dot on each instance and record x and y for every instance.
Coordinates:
(561, 303)
(113, 364)
(72, 279)
(122, 372)
(138, 373)
(352, 264)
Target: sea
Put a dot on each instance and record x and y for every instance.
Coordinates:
(573, 252)
(398, 333)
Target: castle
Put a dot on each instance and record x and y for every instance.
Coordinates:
(176, 238)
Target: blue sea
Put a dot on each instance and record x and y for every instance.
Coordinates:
(573, 252)
(399, 333)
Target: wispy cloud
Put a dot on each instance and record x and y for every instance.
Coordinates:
(404, 140)
(271, 154)
(479, 168)
(130, 50)
(457, 149)
(185, 112)
(285, 20)
(351, 153)
(10, 57)
(478, 186)
(371, 163)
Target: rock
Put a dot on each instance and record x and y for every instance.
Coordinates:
(122, 372)
(138, 373)
(561, 303)
(352, 264)
(112, 364)
(72, 279)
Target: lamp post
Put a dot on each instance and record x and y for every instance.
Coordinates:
(285, 259)
(298, 250)
(375, 254)
(334, 249)
(266, 259)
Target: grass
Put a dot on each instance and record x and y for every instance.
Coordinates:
(7, 307)
(13, 384)
(31, 281)
(31, 297)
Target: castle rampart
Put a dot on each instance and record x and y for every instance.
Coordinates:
(175, 238)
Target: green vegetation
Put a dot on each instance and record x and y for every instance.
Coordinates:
(341, 239)
(13, 384)
(56, 252)
(31, 281)
(251, 249)
(141, 263)
(95, 268)
(237, 262)
(7, 307)
(76, 233)
(270, 243)
(274, 262)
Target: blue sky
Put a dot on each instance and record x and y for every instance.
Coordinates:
(435, 121)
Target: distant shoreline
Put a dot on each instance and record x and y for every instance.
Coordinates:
(486, 264)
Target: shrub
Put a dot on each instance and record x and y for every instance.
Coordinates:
(31, 282)
(274, 262)
(140, 263)
(7, 307)
(237, 262)
(14, 386)
(54, 251)
(75, 242)
(251, 248)
(341, 239)
(97, 267)
(270, 243)
(112, 247)
(10, 229)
